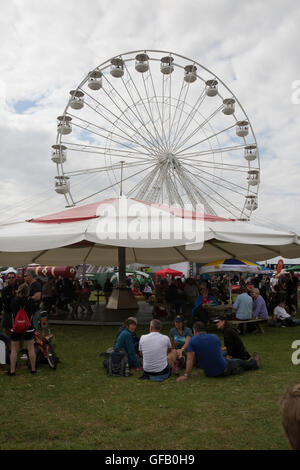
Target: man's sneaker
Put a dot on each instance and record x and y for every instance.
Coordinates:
(24, 357)
(256, 357)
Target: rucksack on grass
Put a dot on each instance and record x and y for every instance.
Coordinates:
(117, 364)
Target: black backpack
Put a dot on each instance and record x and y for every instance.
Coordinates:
(117, 364)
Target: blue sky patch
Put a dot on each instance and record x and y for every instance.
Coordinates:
(22, 106)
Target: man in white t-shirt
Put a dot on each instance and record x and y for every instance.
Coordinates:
(285, 318)
(158, 357)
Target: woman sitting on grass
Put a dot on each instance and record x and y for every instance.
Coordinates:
(125, 341)
(180, 336)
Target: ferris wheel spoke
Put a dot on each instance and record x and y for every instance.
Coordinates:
(127, 106)
(145, 184)
(179, 106)
(112, 137)
(172, 191)
(209, 137)
(87, 128)
(224, 200)
(191, 155)
(117, 183)
(153, 120)
(179, 133)
(206, 121)
(155, 141)
(231, 183)
(112, 152)
(163, 135)
(191, 187)
(113, 123)
(217, 165)
(103, 169)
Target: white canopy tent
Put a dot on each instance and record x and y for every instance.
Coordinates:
(83, 235)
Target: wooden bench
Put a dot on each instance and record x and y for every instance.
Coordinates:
(257, 322)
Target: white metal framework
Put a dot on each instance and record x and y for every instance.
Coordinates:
(176, 131)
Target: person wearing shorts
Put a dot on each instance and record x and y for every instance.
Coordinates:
(22, 300)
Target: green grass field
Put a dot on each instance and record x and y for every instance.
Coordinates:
(79, 407)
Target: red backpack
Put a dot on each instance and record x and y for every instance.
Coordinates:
(21, 323)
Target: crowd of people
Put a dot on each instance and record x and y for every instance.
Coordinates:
(158, 355)
(258, 297)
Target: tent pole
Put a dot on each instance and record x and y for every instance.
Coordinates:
(122, 266)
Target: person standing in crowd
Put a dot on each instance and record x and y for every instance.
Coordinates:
(108, 287)
(147, 291)
(35, 291)
(233, 345)
(292, 290)
(191, 291)
(207, 349)
(175, 298)
(8, 293)
(23, 300)
(156, 350)
(260, 310)
(48, 295)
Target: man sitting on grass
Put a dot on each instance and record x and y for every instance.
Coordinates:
(280, 315)
(158, 357)
(207, 348)
(233, 345)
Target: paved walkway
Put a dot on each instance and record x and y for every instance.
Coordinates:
(103, 316)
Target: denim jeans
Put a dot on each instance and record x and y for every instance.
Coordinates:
(235, 364)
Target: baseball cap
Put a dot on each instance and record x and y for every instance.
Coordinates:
(179, 318)
(220, 318)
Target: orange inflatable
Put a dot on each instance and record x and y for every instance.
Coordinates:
(280, 265)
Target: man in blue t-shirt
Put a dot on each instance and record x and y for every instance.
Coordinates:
(207, 348)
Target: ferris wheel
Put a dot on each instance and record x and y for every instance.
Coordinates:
(159, 127)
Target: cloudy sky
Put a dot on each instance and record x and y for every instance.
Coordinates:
(47, 48)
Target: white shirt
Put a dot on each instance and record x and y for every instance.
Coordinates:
(280, 313)
(1, 283)
(154, 347)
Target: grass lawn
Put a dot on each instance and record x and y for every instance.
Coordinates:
(79, 407)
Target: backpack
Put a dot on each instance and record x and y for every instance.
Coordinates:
(117, 364)
(21, 323)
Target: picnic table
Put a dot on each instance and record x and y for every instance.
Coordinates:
(215, 311)
(242, 324)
